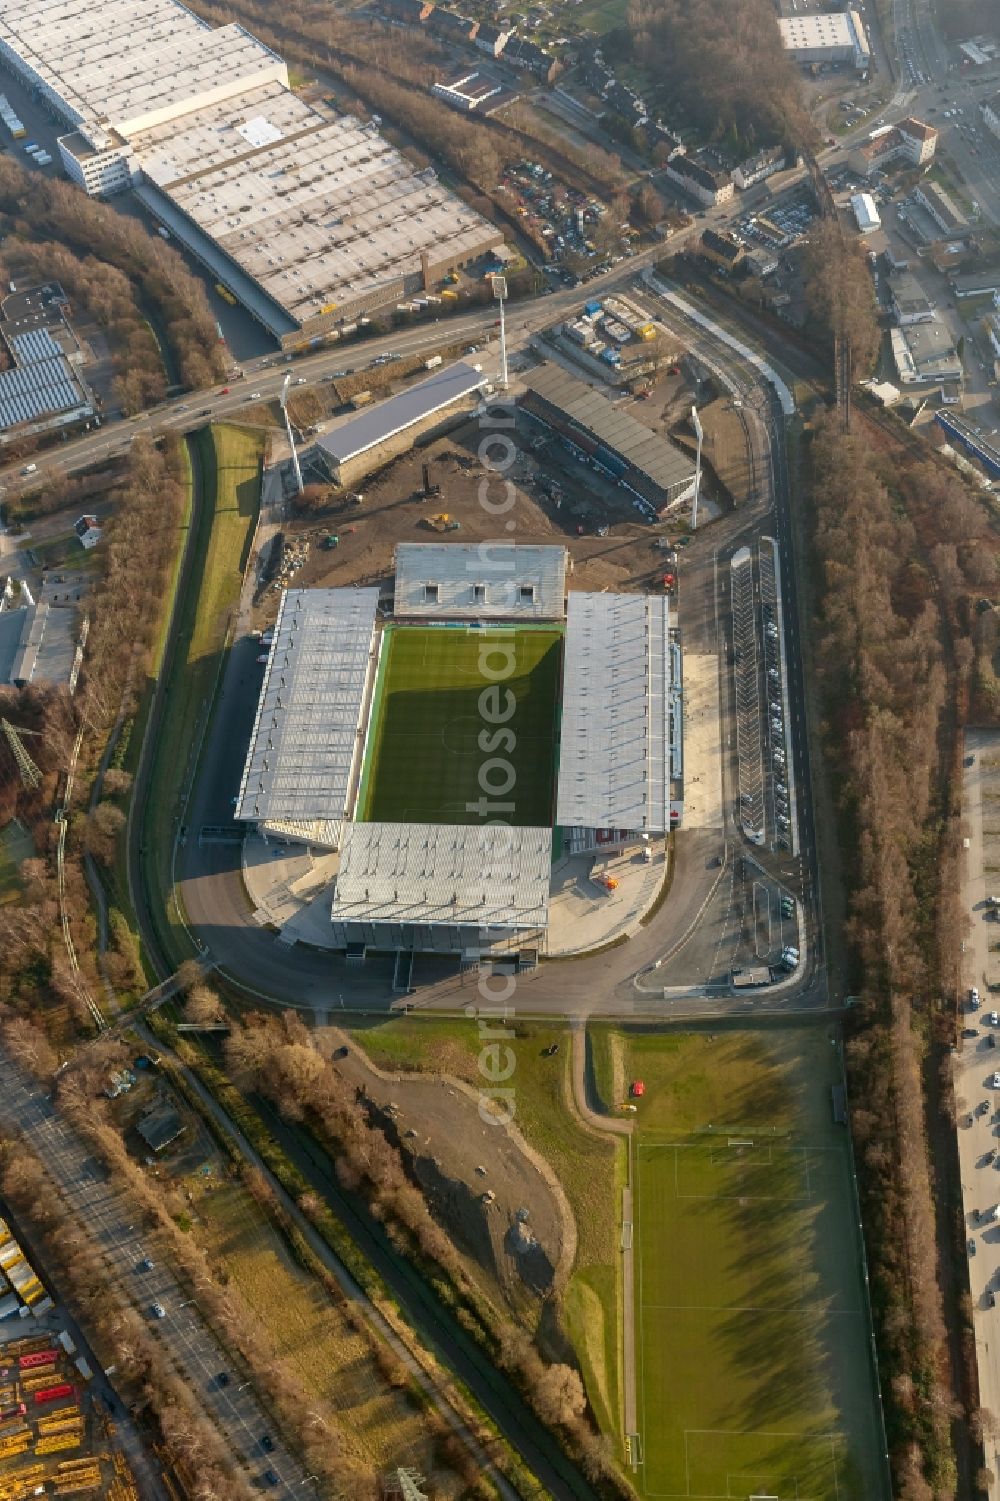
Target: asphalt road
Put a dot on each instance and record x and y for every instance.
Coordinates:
(108, 1216)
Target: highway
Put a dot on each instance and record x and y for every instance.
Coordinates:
(108, 1218)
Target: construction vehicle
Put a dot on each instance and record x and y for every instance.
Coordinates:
(429, 489)
(438, 523)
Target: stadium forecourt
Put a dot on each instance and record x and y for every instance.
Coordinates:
(449, 741)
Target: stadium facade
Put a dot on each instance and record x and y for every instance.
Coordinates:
(447, 740)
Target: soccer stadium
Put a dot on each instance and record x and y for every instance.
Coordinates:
(447, 739)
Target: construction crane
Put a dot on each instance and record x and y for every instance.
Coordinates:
(30, 775)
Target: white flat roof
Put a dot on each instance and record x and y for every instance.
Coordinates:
(480, 580)
(484, 875)
(614, 757)
(306, 739)
(325, 214)
(120, 61)
(829, 29)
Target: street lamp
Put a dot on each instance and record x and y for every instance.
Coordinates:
(288, 429)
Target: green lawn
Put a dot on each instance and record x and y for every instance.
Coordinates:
(752, 1334)
(230, 469)
(431, 744)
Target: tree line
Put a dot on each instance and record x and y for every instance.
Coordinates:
(57, 216)
(901, 551)
(141, 537)
(725, 67)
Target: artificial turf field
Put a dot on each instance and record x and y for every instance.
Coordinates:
(751, 1332)
(424, 760)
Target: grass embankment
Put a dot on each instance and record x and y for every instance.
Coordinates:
(306, 1330)
(751, 1320)
(590, 1168)
(229, 459)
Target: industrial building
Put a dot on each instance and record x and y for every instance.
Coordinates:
(829, 37)
(978, 447)
(924, 354)
(649, 467)
(468, 888)
(41, 642)
(908, 300)
(378, 433)
(307, 217)
(941, 206)
(42, 390)
(473, 91)
(865, 213)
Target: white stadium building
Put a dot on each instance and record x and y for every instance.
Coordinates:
(473, 884)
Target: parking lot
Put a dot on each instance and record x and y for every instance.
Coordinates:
(766, 789)
(977, 1062)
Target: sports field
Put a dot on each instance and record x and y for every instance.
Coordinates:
(751, 1332)
(433, 755)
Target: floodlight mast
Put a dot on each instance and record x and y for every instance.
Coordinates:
(699, 434)
(288, 429)
(500, 293)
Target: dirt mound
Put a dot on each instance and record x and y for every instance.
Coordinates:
(485, 1186)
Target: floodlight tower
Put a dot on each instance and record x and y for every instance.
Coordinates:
(699, 434)
(500, 293)
(288, 429)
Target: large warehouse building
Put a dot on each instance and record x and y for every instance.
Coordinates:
(827, 37)
(376, 739)
(653, 470)
(309, 218)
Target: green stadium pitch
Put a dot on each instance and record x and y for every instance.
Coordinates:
(751, 1338)
(428, 746)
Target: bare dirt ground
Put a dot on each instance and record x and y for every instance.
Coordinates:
(496, 1196)
(394, 510)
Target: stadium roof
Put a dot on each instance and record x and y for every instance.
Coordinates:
(616, 428)
(306, 742)
(484, 876)
(614, 762)
(377, 424)
(480, 581)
